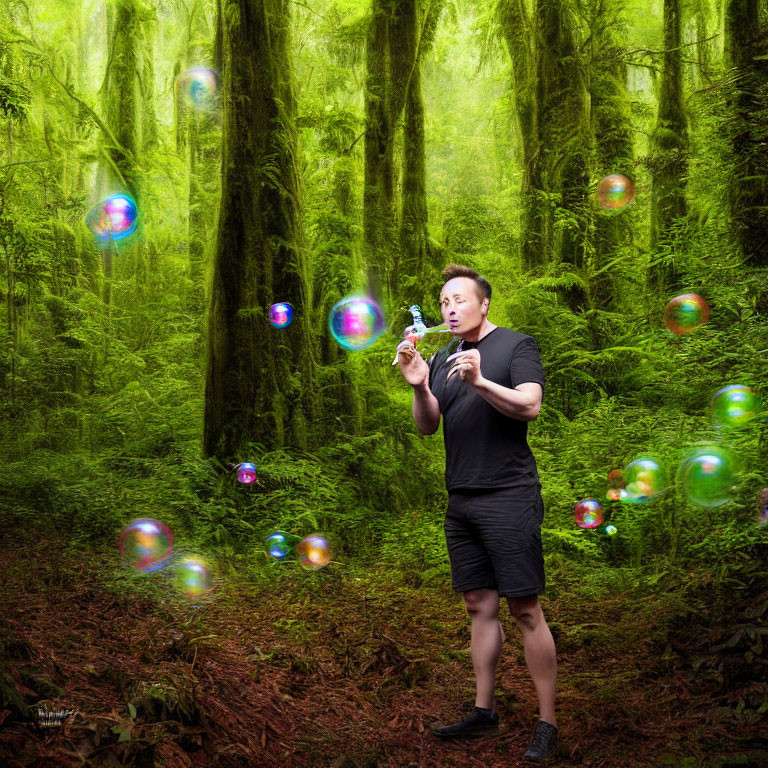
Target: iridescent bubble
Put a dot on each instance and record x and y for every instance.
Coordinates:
(279, 545)
(588, 513)
(193, 577)
(246, 473)
(734, 406)
(146, 544)
(706, 475)
(314, 552)
(762, 519)
(356, 322)
(113, 218)
(199, 86)
(614, 192)
(644, 478)
(686, 313)
(611, 530)
(280, 315)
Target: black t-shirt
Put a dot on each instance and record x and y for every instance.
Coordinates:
(483, 447)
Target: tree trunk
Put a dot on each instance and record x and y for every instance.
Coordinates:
(669, 163)
(745, 53)
(518, 33)
(416, 269)
(260, 380)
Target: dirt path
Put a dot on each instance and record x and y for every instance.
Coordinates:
(318, 670)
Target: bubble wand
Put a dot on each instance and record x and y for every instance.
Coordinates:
(418, 330)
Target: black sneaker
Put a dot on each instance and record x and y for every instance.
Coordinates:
(543, 743)
(482, 722)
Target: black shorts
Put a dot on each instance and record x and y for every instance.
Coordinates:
(494, 540)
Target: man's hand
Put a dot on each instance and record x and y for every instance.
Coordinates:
(467, 365)
(412, 365)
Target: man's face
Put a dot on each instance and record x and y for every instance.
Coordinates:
(461, 305)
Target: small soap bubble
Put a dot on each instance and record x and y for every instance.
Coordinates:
(279, 545)
(615, 192)
(686, 313)
(706, 475)
(199, 87)
(114, 218)
(644, 478)
(588, 513)
(280, 315)
(146, 544)
(246, 473)
(734, 406)
(193, 577)
(356, 322)
(314, 552)
(611, 530)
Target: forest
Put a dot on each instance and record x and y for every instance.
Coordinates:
(190, 189)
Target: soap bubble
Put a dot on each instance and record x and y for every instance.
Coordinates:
(588, 514)
(706, 475)
(193, 577)
(762, 519)
(199, 87)
(356, 322)
(145, 543)
(280, 315)
(644, 478)
(686, 313)
(615, 192)
(734, 406)
(314, 552)
(611, 530)
(114, 218)
(279, 545)
(246, 473)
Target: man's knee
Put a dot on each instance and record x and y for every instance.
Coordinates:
(526, 611)
(482, 602)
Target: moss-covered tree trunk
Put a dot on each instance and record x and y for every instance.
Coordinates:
(612, 127)
(518, 35)
(746, 53)
(416, 270)
(669, 163)
(125, 117)
(565, 140)
(260, 380)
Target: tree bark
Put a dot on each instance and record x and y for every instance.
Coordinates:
(260, 380)
(745, 53)
(669, 160)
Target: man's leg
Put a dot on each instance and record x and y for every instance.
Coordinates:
(540, 655)
(487, 637)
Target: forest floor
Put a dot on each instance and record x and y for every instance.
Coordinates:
(335, 669)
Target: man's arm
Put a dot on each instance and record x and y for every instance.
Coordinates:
(522, 402)
(426, 409)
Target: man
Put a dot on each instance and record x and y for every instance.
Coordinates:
(487, 391)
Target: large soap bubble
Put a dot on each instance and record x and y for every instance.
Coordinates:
(279, 545)
(114, 218)
(356, 322)
(686, 313)
(615, 192)
(644, 478)
(199, 87)
(193, 577)
(734, 406)
(246, 473)
(314, 552)
(588, 513)
(706, 475)
(145, 543)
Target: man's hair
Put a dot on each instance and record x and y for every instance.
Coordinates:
(459, 270)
